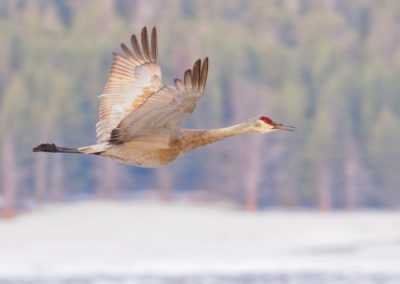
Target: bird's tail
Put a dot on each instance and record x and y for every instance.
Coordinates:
(53, 148)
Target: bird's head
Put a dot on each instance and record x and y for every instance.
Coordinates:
(264, 124)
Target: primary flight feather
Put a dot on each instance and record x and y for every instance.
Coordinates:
(140, 118)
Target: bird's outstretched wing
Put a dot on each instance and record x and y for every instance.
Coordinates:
(160, 118)
(132, 80)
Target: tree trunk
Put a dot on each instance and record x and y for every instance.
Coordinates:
(107, 180)
(252, 179)
(249, 163)
(164, 183)
(352, 172)
(324, 194)
(351, 183)
(41, 175)
(57, 178)
(9, 177)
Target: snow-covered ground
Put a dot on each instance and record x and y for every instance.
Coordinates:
(178, 242)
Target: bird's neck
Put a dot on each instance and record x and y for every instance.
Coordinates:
(193, 138)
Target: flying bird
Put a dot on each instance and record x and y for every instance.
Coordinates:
(140, 118)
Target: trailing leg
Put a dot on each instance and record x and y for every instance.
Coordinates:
(53, 148)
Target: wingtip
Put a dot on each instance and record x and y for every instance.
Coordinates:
(154, 48)
(145, 28)
(197, 63)
(203, 75)
(205, 63)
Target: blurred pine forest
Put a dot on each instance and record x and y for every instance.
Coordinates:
(329, 67)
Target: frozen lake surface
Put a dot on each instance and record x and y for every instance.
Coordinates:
(285, 278)
(151, 242)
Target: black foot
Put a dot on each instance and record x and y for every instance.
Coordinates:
(45, 148)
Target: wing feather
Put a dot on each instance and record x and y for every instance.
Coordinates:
(136, 47)
(145, 45)
(179, 84)
(132, 79)
(161, 116)
(196, 74)
(203, 75)
(129, 53)
(187, 77)
(154, 51)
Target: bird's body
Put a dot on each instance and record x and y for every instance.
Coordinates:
(140, 118)
(155, 155)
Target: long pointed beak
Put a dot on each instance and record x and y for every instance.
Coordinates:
(281, 126)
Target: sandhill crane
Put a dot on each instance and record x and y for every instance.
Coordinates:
(140, 119)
